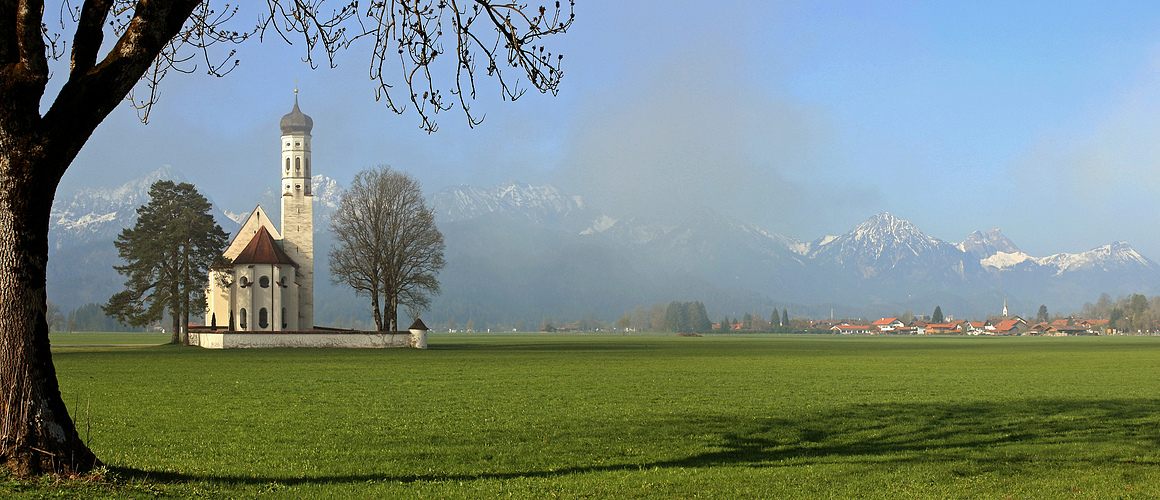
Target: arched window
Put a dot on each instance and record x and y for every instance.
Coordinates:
(284, 325)
(264, 282)
(263, 318)
(297, 163)
(242, 318)
(287, 164)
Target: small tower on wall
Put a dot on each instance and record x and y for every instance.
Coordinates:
(297, 207)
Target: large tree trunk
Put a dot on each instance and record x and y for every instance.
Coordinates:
(378, 315)
(393, 311)
(174, 315)
(36, 433)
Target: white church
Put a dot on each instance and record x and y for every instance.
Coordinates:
(270, 286)
(265, 297)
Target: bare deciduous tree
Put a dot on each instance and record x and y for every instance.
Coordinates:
(386, 244)
(157, 36)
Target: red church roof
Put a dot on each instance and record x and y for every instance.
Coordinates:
(262, 249)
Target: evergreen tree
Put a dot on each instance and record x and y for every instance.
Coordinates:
(1042, 316)
(725, 324)
(699, 318)
(785, 317)
(677, 318)
(774, 319)
(937, 317)
(168, 253)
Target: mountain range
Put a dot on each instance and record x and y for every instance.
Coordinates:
(518, 251)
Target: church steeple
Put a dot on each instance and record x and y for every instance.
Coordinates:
(297, 206)
(296, 121)
(1004, 306)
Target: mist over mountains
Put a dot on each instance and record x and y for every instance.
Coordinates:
(524, 252)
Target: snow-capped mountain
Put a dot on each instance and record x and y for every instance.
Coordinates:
(1115, 257)
(544, 205)
(99, 213)
(983, 245)
(885, 244)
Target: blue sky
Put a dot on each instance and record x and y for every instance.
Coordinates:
(1041, 118)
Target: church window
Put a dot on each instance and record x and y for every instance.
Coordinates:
(284, 325)
(297, 163)
(245, 282)
(263, 318)
(297, 143)
(264, 282)
(287, 164)
(242, 318)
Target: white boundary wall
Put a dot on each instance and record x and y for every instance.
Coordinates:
(317, 340)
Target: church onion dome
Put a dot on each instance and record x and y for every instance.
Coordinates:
(296, 122)
(262, 249)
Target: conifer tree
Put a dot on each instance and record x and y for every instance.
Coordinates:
(784, 317)
(774, 319)
(937, 317)
(168, 253)
(699, 317)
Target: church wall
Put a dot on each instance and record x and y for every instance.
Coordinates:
(243, 297)
(218, 298)
(342, 340)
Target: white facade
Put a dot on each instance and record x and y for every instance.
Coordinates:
(317, 340)
(298, 211)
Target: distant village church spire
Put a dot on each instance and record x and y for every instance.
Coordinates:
(1004, 306)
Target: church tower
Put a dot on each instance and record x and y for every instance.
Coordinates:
(297, 207)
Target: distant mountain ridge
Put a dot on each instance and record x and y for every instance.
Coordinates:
(883, 262)
(517, 250)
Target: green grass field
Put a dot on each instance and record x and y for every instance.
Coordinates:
(588, 416)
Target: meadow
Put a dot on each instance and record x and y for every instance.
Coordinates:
(608, 416)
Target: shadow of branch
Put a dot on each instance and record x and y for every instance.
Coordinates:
(877, 433)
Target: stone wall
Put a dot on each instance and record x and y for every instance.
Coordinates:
(318, 340)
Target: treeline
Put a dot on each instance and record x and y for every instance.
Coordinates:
(691, 317)
(1128, 313)
(86, 318)
(675, 317)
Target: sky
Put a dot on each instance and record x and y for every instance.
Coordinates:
(806, 118)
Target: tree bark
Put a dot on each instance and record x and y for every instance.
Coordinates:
(378, 315)
(36, 433)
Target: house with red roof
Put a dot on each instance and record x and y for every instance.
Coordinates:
(886, 325)
(1011, 327)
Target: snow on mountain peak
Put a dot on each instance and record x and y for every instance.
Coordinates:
(1113, 255)
(97, 213)
(511, 198)
(1004, 260)
(983, 245)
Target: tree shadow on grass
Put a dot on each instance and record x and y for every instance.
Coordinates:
(985, 435)
(539, 346)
